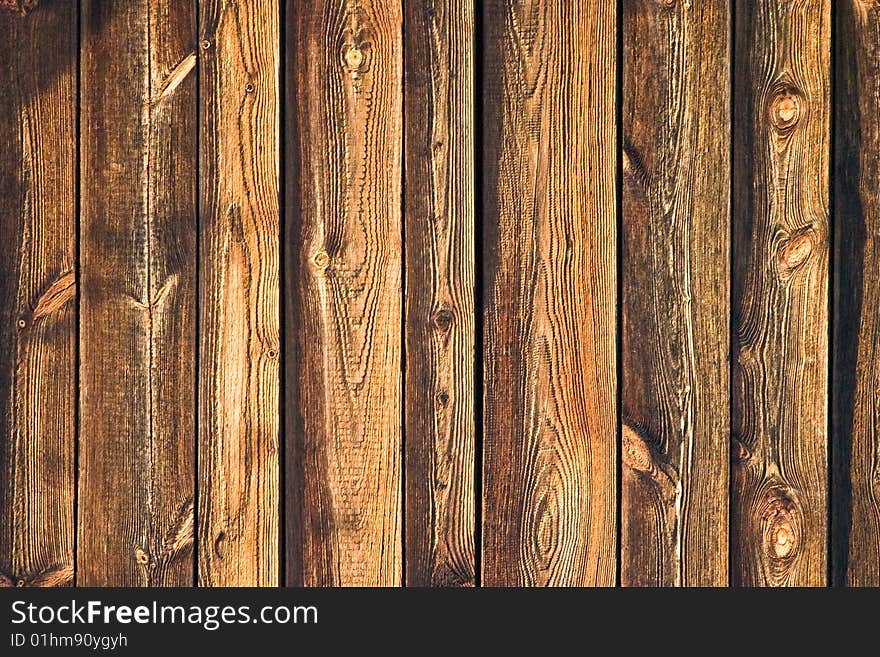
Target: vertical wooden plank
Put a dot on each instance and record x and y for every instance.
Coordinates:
(550, 239)
(780, 293)
(856, 517)
(439, 218)
(344, 260)
(239, 295)
(675, 270)
(37, 296)
(137, 319)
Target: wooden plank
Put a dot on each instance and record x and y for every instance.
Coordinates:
(780, 294)
(137, 319)
(439, 215)
(344, 261)
(675, 285)
(856, 514)
(550, 418)
(37, 296)
(239, 294)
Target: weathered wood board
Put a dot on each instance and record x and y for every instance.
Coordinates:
(675, 266)
(239, 524)
(137, 254)
(780, 315)
(550, 259)
(343, 262)
(440, 279)
(38, 290)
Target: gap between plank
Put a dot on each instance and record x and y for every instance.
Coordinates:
(618, 323)
(77, 223)
(731, 72)
(479, 289)
(198, 304)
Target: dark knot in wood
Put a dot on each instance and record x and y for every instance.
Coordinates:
(443, 319)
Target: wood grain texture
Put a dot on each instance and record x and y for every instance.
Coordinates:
(675, 308)
(549, 206)
(239, 294)
(856, 513)
(344, 262)
(37, 297)
(137, 312)
(780, 294)
(20, 6)
(439, 216)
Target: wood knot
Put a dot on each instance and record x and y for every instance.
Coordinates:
(354, 57)
(784, 543)
(355, 50)
(175, 78)
(639, 455)
(141, 557)
(634, 168)
(54, 297)
(781, 526)
(443, 319)
(794, 250)
(635, 451)
(218, 545)
(206, 44)
(250, 88)
(180, 533)
(547, 533)
(442, 398)
(741, 453)
(22, 323)
(786, 108)
(321, 259)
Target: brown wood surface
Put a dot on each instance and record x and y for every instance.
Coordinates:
(856, 517)
(24, 6)
(675, 269)
(780, 314)
(344, 297)
(239, 341)
(549, 213)
(137, 310)
(439, 212)
(37, 297)
(445, 372)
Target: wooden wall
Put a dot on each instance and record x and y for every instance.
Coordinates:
(440, 293)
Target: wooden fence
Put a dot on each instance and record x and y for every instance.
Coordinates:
(440, 292)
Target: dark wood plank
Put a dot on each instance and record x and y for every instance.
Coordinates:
(856, 515)
(675, 307)
(780, 294)
(239, 294)
(37, 296)
(137, 319)
(343, 267)
(439, 216)
(549, 149)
